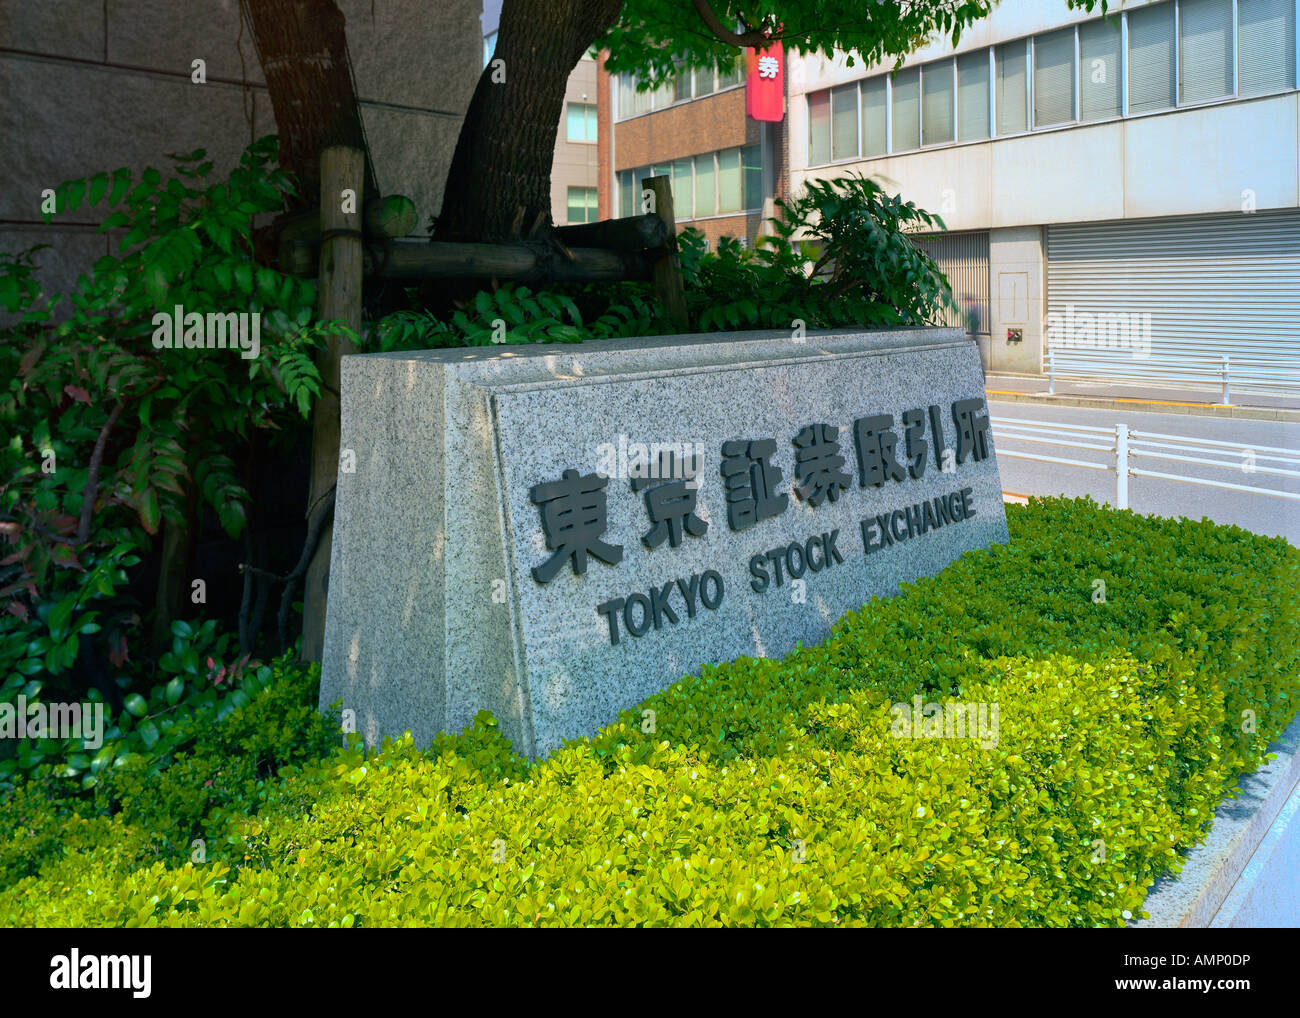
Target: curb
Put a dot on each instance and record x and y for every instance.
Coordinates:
(1220, 876)
(1146, 406)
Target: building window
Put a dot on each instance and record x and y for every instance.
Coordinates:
(936, 103)
(627, 188)
(751, 163)
(729, 73)
(1178, 53)
(819, 128)
(682, 83)
(706, 199)
(973, 96)
(844, 122)
(703, 81)
(874, 95)
(683, 190)
(1101, 78)
(1265, 46)
(1204, 50)
(581, 122)
(1012, 88)
(1151, 53)
(729, 181)
(631, 103)
(1054, 78)
(582, 205)
(709, 184)
(907, 109)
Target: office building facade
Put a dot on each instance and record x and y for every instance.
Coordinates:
(1127, 183)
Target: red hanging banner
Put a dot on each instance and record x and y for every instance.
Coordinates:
(765, 83)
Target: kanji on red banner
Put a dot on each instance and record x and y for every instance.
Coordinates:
(765, 83)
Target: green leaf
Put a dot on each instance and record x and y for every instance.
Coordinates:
(121, 181)
(149, 735)
(98, 185)
(136, 705)
(150, 513)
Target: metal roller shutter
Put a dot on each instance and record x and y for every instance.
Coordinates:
(1213, 285)
(964, 259)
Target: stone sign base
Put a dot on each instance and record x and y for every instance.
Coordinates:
(555, 533)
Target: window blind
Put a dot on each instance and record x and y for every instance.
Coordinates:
(1265, 46)
(936, 103)
(1054, 78)
(907, 109)
(819, 128)
(1151, 58)
(1012, 86)
(1101, 74)
(1204, 50)
(973, 96)
(874, 140)
(844, 122)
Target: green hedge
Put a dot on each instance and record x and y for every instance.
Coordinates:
(770, 792)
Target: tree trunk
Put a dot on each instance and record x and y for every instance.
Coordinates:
(175, 573)
(303, 49)
(507, 143)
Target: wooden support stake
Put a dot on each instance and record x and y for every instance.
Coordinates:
(667, 269)
(422, 259)
(339, 298)
(298, 235)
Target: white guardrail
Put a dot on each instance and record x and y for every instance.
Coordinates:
(1127, 445)
(1275, 376)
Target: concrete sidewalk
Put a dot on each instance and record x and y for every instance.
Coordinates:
(1009, 388)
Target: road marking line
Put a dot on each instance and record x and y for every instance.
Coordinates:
(1169, 402)
(1116, 399)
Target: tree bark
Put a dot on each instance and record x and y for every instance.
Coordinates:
(303, 49)
(507, 143)
(175, 572)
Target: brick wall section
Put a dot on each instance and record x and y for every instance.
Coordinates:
(604, 139)
(703, 125)
(727, 226)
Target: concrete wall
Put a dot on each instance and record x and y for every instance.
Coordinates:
(97, 86)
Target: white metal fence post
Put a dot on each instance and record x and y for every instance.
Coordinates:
(1225, 380)
(1121, 466)
(1051, 372)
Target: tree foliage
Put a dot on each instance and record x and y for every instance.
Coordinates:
(107, 437)
(653, 38)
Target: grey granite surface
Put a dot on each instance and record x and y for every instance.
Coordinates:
(434, 609)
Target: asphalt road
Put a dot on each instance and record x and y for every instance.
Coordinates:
(1260, 513)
